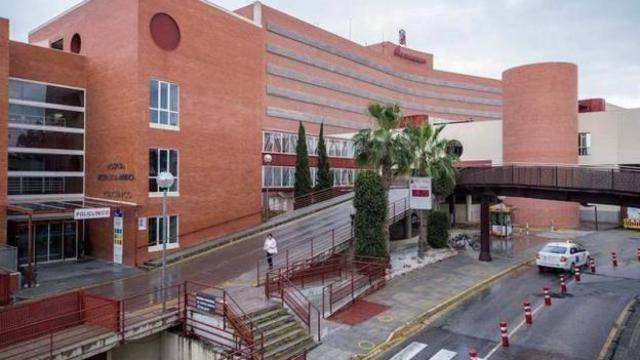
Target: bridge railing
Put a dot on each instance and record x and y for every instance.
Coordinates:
(579, 177)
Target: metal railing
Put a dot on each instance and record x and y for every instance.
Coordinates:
(617, 179)
(317, 197)
(300, 305)
(46, 327)
(324, 245)
(361, 277)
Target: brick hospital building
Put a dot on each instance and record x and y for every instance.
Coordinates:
(108, 94)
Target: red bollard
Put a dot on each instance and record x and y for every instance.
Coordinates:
(547, 297)
(473, 355)
(638, 254)
(614, 259)
(528, 317)
(576, 275)
(503, 334)
(592, 264)
(563, 285)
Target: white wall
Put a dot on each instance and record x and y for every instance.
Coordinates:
(481, 140)
(614, 137)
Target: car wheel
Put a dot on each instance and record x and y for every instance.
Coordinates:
(572, 268)
(540, 269)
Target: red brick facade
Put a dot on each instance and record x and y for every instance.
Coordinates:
(237, 77)
(540, 125)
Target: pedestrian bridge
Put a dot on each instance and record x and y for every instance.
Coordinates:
(613, 185)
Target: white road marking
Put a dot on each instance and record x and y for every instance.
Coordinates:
(444, 354)
(515, 329)
(410, 351)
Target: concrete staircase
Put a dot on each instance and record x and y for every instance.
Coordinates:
(283, 334)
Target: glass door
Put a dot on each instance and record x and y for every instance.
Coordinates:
(70, 240)
(55, 241)
(41, 233)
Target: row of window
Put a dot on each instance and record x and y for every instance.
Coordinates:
(36, 185)
(45, 134)
(284, 176)
(285, 143)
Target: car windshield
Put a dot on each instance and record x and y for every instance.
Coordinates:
(554, 249)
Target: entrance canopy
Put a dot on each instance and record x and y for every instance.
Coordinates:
(60, 206)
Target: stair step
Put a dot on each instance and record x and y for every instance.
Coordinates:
(266, 316)
(284, 327)
(266, 309)
(289, 335)
(276, 322)
(290, 348)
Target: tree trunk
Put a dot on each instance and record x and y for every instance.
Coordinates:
(423, 243)
(387, 179)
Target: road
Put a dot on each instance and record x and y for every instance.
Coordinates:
(231, 261)
(575, 326)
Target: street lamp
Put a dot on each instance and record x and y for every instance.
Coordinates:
(267, 159)
(165, 182)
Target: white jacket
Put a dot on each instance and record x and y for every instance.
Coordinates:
(270, 246)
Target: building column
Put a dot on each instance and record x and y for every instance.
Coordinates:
(468, 207)
(452, 209)
(485, 229)
(407, 225)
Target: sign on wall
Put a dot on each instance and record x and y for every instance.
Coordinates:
(118, 232)
(420, 193)
(91, 213)
(206, 302)
(142, 223)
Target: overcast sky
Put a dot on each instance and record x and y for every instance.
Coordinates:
(468, 36)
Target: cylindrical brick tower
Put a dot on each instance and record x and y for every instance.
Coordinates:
(540, 125)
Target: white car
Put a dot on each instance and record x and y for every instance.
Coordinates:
(562, 255)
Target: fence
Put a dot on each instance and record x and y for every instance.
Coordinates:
(320, 247)
(40, 328)
(298, 303)
(361, 277)
(318, 196)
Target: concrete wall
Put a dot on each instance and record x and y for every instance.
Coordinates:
(164, 346)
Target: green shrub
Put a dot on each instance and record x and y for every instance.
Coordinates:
(370, 202)
(438, 229)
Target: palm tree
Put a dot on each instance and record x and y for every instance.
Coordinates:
(383, 148)
(431, 157)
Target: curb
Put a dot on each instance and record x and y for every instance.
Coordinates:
(424, 319)
(611, 343)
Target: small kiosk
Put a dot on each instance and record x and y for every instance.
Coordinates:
(632, 221)
(501, 220)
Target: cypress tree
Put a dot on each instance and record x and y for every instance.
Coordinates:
(370, 202)
(324, 178)
(302, 185)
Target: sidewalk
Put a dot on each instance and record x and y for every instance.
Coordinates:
(63, 276)
(410, 295)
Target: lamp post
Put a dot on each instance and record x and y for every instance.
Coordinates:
(267, 159)
(165, 181)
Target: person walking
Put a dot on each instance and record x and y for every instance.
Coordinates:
(271, 248)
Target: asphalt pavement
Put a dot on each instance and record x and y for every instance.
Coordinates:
(575, 326)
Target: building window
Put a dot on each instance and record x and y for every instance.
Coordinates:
(286, 143)
(45, 139)
(162, 160)
(58, 44)
(584, 143)
(164, 104)
(156, 232)
(284, 176)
